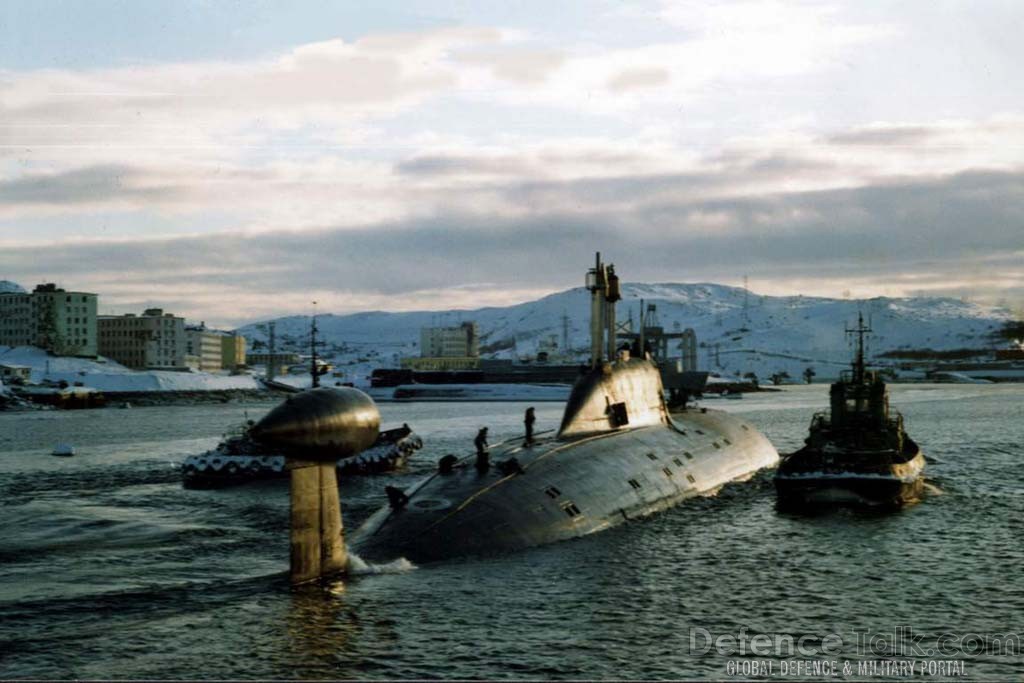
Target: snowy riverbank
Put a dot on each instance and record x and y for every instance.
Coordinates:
(111, 377)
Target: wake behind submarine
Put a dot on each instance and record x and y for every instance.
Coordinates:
(618, 454)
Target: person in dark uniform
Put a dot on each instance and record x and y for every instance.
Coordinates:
(397, 498)
(482, 456)
(528, 422)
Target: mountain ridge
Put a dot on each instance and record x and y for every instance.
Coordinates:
(739, 331)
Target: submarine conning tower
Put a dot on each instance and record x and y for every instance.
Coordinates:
(618, 391)
(315, 429)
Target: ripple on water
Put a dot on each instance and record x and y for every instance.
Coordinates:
(110, 569)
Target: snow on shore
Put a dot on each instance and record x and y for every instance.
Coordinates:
(107, 375)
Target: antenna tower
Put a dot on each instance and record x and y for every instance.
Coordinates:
(858, 363)
(314, 369)
(565, 332)
(746, 299)
(272, 346)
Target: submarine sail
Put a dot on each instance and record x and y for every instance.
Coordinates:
(618, 454)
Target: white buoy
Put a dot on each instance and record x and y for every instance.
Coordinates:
(63, 449)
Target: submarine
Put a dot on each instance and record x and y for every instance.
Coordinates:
(619, 454)
(314, 430)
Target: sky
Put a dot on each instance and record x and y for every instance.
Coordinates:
(234, 160)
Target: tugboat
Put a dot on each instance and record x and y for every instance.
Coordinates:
(241, 458)
(244, 456)
(857, 453)
(618, 455)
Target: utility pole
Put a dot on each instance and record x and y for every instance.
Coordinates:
(565, 333)
(272, 355)
(314, 370)
(746, 300)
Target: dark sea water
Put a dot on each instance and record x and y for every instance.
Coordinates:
(109, 569)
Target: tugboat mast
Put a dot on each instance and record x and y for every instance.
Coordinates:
(858, 363)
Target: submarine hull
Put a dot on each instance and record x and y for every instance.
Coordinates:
(618, 454)
(565, 488)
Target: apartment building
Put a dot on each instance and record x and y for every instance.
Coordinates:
(461, 341)
(152, 341)
(203, 347)
(447, 348)
(60, 321)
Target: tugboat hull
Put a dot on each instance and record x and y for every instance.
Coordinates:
(892, 486)
(856, 453)
(220, 468)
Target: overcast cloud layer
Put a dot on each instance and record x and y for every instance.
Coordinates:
(472, 159)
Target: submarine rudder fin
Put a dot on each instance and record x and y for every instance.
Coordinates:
(317, 536)
(316, 428)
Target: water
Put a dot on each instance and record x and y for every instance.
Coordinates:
(109, 569)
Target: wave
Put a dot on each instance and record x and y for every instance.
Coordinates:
(357, 566)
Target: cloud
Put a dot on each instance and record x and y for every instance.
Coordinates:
(630, 79)
(400, 169)
(518, 65)
(90, 185)
(884, 136)
(439, 165)
(885, 232)
(380, 69)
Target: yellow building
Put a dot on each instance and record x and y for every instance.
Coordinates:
(232, 351)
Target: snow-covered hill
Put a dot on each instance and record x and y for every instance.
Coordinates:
(8, 287)
(738, 331)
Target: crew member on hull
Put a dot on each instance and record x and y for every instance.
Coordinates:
(528, 421)
(482, 457)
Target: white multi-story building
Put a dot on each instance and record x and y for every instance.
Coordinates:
(462, 341)
(62, 322)
(203, 346)
(152, 341)
(447, 348)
